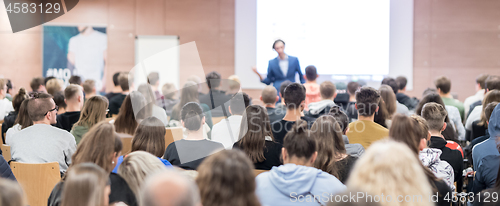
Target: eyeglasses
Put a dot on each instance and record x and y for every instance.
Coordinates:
(55, 108)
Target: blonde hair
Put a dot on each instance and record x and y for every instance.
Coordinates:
(168, 90)
(391, 168)
(88, 86)
(136, 167)
(94, 111)
(54, 85)
(234, 83)
(11, 193)
(85, 185)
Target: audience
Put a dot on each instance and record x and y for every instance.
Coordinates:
(59, 100)
(389, 98)
(54, 86)
(294, 98)
(281, 104)
(154, 81)
(10, 119)
(74, 102)
(491, 83)
(478, 96)
(382, 115)
(350, 108)
(11, 193)
(101, 146)
(435, 115)
(22, 121)
(89, 88)
(227, 179)
(410, 103)
(226, 131)
(391, 169)
(116, 101)
(10, 90)
(41, 142)
(169, 99)
(5, 104)
(127, 120)
(269, 97)
(297, 177)
(443, 86)
(86, 184)
(190, 94)
(468, 149)
(197, 81)
(37, 85)
(189, 152)
(256, 138)
(169, 188)
(75, 79)
(328, 93)
(93, 112)
(149, 137)
(393, 86)
(365, 131)
(332, 157)
(117, 89)
(355, 150)
(151, 103)
(215, 98)
(136, 167)
(477, 114)
(486, 155)
(312, 88)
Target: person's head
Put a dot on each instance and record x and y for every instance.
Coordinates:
(238, 103)
(10, 87)
(192, 117)
(11, 193)
(327, 90)
(283, 86)
(254, 128)
(73, 95)
(42, 109)
(54, 85)
(23, 117)
(154, 78)
(60, 100)
(169, 188)
(19, 98)
(311, 73)
(37, 84)
(86, 184)
(213, 80)
(196, 80)
(147, 91)
(352, 87)
(489, 110)
(226, 179)
(430, 97)
(423, 134)
(100, 145)
(115, 79)
(168, 90)
(382, 115)
(269, 95)
(279, 46)
(189, 93)
(391, 82)
(341, 118)
(435, 115)
(234, 83)
(492, 83)
(47, 79)
(138, 165)
(75, 80)
(406, 130)
(330, 144)
(299, 145)
(389, 98)
(491, 96)
(295, 96)
(93, 111)
(402, 81)
(126, 121)
(150, 137)
(89, 87)
(123, 81)
(367, 101)
(443, 85)
(3, 87)
(392, 169)
(481, 81)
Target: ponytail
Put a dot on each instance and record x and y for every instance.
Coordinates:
(299, 141)
(191, 115)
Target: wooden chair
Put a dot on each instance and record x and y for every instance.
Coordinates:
(126, 143)
(216, 120)
(6, 152)
(1, 122)
(173, 134)
(37, 180)
(257, 172)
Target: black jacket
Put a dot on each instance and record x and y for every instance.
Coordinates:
(453, 157)
(115, 103)
(8, 122)
(411, 103)
(5, 171)
(66, 120)
(217, 99)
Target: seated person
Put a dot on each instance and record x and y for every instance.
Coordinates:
(365, 131)
(10, 119)
(169, 100)
(227, 130)
(215, 98)
(116, 88)
(350, 108)
(468, 149)
(116, 101)
(269, 97)
(328, 93)
(312, 87)
(73, 95)
(355, 150)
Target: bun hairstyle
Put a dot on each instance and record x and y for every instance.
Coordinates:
(19, 98)
(191, 115)
(299, 141)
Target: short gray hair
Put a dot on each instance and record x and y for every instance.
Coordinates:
(168, 178)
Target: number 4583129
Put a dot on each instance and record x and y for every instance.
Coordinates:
(48, 8)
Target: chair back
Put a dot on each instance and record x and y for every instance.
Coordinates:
(257, 172)
(6, 152)
(37, 180)
(173, 134)
(126, 143)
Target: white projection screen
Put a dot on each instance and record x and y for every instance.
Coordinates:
(348, 38)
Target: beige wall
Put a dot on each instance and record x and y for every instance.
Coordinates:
(456, 38)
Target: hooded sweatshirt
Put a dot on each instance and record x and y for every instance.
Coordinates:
(78, 132)
(292, 184)
(489, 146)
(317, 109)
(442, 169)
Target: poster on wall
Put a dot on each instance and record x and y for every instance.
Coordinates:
(75, 50)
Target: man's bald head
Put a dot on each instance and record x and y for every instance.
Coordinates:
(170, 188)
(269, 95)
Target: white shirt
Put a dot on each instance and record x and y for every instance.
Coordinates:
(227, 131)
(474, 115)
(160, 113)
(284, 65)
(479, 96)
(402, 109)
(454, 116)
(89, 55)
(5, 108)
(11, 131)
